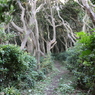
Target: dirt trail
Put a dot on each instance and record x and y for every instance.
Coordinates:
(57, 82)
(50, 90)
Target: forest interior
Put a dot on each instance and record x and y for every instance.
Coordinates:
(47, 47)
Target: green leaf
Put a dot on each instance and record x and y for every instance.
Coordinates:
(12, 7)
(92, 29)
(86, 63)
(80, 34)
(85, 53)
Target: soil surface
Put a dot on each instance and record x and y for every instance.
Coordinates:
(58, 82)
(50, 90)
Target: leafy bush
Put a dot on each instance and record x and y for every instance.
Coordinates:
(10, 91)
(66, 88)
(17, 68)
(46, 64)
(12, 62)
(4, 36)
(61, 56)
(81, 61)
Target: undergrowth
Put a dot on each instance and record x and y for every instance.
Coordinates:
(19, 73)
(18, 70)
(80, 60)
(42, 85)
(65, 85)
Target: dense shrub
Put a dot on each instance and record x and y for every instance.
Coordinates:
(12, 62)
(61, 56)
(81, 61)
(5, 36)
(17, 68)
(46, 64)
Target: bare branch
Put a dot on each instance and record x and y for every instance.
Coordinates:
(59, 24)
(42, 53)
(91, 3)
(43, 39)
(22, 15)
(67, 26)
(48, 32)
(17, 27)
(53, 44)
(39, 8)
(62, 42)
(48, 20)
(89, 10)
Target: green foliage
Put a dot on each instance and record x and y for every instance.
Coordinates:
(71, 10)
(66, 88)
(84, 38)
(4, 36)
(12, 59)
(81, 61)
(46, 64)
(11, 91)
(93, 1)
(61, 56)
(11, 62)
(6, 10)
(18, 68)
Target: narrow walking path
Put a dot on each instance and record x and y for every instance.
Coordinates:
(50, 90)
(58, 82)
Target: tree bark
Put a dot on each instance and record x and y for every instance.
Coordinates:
(89, 10)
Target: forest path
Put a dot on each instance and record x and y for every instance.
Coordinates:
(57, 82)
(50, 90)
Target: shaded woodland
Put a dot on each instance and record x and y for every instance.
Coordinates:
(33, 33)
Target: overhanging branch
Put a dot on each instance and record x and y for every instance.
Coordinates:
(17, 27)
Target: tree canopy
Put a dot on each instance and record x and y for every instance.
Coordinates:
(45, 27)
